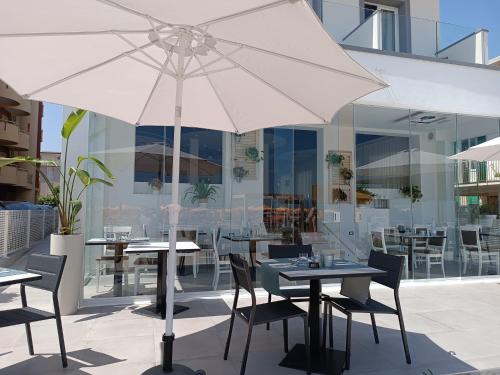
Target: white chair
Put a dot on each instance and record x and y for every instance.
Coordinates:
(420, 243)
(108, 252)
(379, 244)
(142, 265)
(188, 235)
(472, 247)
(222, 265)
(433, 254)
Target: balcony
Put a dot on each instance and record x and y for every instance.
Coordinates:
(8, 97)
(8, 175)
(24, 142)
(9, 133)
(23, 179)
(384, 28)
(478, 173)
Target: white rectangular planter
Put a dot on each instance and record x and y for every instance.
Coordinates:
(69, 291)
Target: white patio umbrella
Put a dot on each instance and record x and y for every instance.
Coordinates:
(229, 65)
(489, 150)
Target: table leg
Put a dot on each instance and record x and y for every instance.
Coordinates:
(323, 360)
(410, 259)
(118, 274)
(252, 249)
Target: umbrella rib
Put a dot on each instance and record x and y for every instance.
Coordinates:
(74, 33)
(270, 86)
(302, 61)
(244, 12)
(140, 50)
(130, 11)
(155, 86)
(86, 70)
(202, 67)
(218, 97)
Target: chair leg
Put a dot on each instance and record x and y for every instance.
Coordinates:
(247, 348)
(306, 342)
(330, 325)
(374, 326)
(61, 341)
(268, 325)
(195, 266)
(442, 266)
(29, 338)
(228, 342)
(428, 265)
(285, 335)
(403, 336)
(98, 275)
(480, 267)
(136, 281)
(348, 342)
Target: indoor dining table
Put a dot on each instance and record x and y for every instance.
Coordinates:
(161, 249)
(323, 360)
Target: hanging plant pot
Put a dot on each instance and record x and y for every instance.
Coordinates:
(334, 159)
(239, 173)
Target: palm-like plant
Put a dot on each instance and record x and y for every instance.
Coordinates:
(201, 191)
(68, 198)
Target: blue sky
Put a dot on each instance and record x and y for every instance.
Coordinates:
(472, 14)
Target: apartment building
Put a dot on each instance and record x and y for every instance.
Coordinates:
(20, 135)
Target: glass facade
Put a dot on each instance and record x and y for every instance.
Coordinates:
(375, 178)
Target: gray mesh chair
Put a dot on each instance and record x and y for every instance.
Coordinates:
(261, 313)
(51, 268)
(393, 265)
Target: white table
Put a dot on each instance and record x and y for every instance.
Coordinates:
(162, 248)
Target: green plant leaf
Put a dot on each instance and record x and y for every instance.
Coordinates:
(26, 159)
(84, 176)
(72, 122)
(95, 180)
(100, 165)
(72, 171)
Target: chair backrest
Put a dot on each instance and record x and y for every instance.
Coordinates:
(378, 240)
(187, 235)
(420, 229)
(288, 251)
(216, 236)
(438, 241)
(50, 267)
(392, 264)
(469, 236)
(241, 273)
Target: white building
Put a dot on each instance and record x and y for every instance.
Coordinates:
(443, 98)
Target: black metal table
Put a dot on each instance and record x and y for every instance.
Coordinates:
(119, 246)
(161, 249)
(323, 360)
(9, 276)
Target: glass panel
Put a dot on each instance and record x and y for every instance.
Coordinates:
(433, 139)
(383, 203)
(477, 193)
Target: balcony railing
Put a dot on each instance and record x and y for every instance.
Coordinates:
(8, 175)
(387, 30)
(23, 143)
(9, 133)
(475, 172)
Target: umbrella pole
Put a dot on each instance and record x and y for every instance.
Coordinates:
(168, 336)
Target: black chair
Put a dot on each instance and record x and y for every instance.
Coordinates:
(273, 287)
(261, 313)
(51, 268)
(393, 265)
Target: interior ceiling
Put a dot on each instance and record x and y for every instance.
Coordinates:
(397, 120)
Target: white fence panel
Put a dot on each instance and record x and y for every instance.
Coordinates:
(19, 229)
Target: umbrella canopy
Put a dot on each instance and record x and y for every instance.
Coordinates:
(222, 64)
(489, 150)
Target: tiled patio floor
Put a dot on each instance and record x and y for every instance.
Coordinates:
(452, 329)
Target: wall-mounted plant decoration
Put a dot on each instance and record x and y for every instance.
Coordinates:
(334, 159)
(252, 154)
(363, 195)
(339, 195)
(239, 173)
(412, 192)
(155, 184)
(346, 173)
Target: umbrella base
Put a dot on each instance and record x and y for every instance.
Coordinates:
(176, 370)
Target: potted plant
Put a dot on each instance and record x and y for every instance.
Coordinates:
(239, 173)
(155, 184)
(252, 154)
(346, 173)
(74, 180)
(412, 192)
(339, 195)
(363, 195)
(334, 159)
(201, 192)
